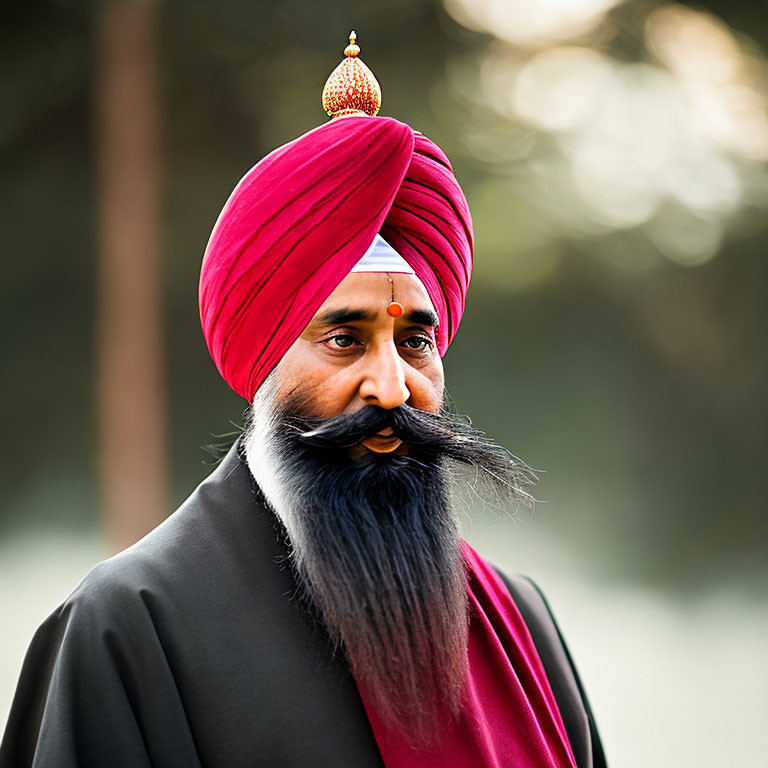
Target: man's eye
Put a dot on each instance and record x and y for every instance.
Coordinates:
(342, 341)
(419, 343)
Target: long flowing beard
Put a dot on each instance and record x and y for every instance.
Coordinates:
(375, 544)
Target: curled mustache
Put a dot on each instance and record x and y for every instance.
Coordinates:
(432, 436)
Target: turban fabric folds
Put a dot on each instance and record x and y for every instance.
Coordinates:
(302, 217)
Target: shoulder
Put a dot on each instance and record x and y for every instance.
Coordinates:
(218, 556)
(109, 603)
(538, 616)
(560, 668)
(528, 597)
(111, 586)
(204, 538)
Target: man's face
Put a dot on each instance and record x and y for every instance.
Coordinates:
(353, 353)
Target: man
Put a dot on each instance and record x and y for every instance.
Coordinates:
(312, 603)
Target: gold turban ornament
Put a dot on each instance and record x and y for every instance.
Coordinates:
(352, 89)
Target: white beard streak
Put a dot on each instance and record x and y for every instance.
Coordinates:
(264, 462)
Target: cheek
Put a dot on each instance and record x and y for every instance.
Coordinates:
(325, 387)
(426, 387)
(296, 372)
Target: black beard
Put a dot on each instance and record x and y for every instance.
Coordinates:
(376, 549)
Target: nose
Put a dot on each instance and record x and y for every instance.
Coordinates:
(383, 380)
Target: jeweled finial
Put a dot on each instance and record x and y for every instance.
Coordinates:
(352, 89)
(353, 49)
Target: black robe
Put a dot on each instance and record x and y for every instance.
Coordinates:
(189, 649)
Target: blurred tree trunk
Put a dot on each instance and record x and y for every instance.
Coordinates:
(129, 330)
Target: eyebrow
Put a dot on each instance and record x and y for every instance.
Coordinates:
(423, 317)
(344, 316)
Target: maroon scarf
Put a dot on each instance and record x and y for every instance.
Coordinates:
(510, 718)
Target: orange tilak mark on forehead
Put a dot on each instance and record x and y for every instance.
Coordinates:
(394, 308)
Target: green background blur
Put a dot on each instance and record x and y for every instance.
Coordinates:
(613, 155)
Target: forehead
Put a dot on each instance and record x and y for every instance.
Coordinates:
(373, 291)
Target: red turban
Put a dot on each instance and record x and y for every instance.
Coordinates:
(303, 216)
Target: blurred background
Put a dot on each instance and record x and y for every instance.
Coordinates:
(614, 157)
